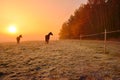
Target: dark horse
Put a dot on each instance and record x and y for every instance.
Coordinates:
(18, 38)
(47, 37)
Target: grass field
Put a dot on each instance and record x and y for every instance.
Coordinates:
(60, 60)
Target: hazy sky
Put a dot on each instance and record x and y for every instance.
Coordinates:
(34, 18)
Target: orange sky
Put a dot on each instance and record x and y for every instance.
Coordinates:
(34, 18)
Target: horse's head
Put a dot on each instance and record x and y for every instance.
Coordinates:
(20, 36)
(50, 33)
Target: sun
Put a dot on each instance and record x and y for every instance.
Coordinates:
(12, 29)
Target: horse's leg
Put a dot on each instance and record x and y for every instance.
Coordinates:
(46, 39)
(18, 41)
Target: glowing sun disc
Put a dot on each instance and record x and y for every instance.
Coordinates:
(12, 29)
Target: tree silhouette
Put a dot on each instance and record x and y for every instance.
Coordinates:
(91, 18)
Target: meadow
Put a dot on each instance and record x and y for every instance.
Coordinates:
(60, 60)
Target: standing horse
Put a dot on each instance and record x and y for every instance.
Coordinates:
(18, 38)
(47, 37)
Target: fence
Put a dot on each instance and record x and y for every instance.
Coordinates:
(105, 36)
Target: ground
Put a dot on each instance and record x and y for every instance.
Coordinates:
(60, 60)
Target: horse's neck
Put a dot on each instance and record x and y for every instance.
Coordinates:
(48, 35)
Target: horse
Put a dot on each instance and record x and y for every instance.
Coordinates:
(47, 37)
(18, 39)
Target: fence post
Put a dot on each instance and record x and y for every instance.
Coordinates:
(105, 38)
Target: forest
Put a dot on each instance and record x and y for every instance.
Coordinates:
(91, 18)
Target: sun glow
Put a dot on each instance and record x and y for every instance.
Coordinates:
(12, 29)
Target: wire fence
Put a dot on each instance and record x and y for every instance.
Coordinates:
(81, 36)
(103, 33)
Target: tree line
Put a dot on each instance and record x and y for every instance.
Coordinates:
(93, 17)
